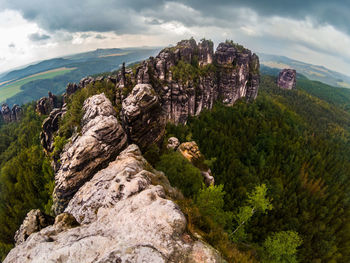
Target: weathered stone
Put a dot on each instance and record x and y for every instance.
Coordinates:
(233, 74)
(287, 79)
(173, 143)
(71, 89)
(124, 218)
(46, 104)
(6, 113)
(16, 113)
(142, 116)
(50, 127)
(191, 152)
(34, 222)
(101, 140)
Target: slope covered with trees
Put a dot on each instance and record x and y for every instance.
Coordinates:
(26, 178)
(296, 144)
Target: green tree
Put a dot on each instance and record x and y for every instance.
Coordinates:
(257, 202)
(281, 247)
(181, 173)
(210, 202)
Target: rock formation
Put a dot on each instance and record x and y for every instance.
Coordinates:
(10, 115)
(173, 143)
(287, 79)
(142, 116)
(190, 151)
(50, 127)
(123, 215)
(229, 74)
(102, 139)
(34, 222)
(46, 104)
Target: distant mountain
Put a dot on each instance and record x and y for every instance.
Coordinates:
(34, 81)
(310, 71)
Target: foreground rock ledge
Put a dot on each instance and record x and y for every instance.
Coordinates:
(102, 139)
(123, 217)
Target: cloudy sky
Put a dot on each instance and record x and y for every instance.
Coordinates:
(314, 31)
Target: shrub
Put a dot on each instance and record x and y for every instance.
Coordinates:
(181, 173)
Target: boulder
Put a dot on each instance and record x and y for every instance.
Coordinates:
(287, 79)
(34, 222)
(102, 139)
(191, 152)
(173, 143)
(124, 215)
(142, 116)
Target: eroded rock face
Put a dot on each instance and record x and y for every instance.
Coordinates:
(231, 73)
(50, 127)
(191, 152)
(142, 116)
(10, 115)
(102, 139)
(34, 222)
(123, 218)
(46, 104)
(287, 79)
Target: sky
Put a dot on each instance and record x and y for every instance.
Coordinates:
(313, 31)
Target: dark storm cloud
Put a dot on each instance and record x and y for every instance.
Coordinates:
(124, 16)
(38, 37)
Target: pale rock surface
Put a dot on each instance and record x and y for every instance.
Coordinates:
(173, 143)
(124, 218)
(287, 79)
(142, 116)
(102, 139)
(34, 222)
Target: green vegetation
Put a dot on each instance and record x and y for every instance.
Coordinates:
(257, 202)
(11, 89)
(298, 146)
(282, 247)
(26, 178)
(181, 173)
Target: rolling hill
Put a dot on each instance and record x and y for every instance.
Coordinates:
(34, 81)
(313, 72)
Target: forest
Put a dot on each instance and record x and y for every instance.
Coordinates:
(281, 167)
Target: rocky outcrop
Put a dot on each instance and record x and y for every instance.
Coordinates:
(123, 215)
(191, 152)
(46, 104)
(34, 222)
(50, 127)
(101, 140)
(10, 115)
(287, 79)
(142, 116)
(231, 73)
(173, 143)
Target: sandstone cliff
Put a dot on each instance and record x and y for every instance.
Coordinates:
(123, 214)
(287, 79)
